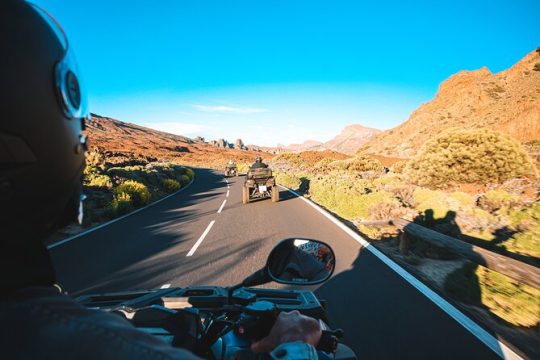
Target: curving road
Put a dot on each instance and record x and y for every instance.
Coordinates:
(384, 316)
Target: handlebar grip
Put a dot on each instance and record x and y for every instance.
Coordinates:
(329, 340)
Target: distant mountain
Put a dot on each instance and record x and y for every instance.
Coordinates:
(351, 138)
(508, 101)
(347, 141)
(306, 145)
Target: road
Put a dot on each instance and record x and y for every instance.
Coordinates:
(383, 316)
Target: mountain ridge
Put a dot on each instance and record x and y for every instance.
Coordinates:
(507, 101)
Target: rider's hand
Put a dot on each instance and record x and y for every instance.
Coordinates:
(289, 327)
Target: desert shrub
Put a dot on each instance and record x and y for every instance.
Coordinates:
(137, 192)
(398, 166)
(347, 195)
(478, 222)
(291, 158)
(95, 159)
(495, 200)
(170, 185)
(536, 67)
(511, 301)
(469, 156)
(98, 181)
(323, 165)
(185, 179)
(121, 203)
(189, 172)
(464, 200)
(289, 180)
(359, 163)
(385, 210)
(384, 181)
(431, 199)
(526, 241)
(339, 192)
(404, 193)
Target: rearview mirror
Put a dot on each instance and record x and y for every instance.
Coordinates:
(301, 262)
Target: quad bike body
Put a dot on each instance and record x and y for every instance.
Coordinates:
(260, 184)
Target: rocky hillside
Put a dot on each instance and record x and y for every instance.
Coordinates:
(134, 141)
(508, 101)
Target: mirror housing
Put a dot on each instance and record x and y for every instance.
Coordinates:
(298, 261)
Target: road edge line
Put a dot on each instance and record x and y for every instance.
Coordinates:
(486, 338)
(97, 227)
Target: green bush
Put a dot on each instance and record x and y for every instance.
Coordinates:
(98, 181)
(359, 163)
(121, 203)
(288, 180)
(190, 173)
(348, 195)
(170, 185)
(527, 241)
(137, 192)
(464, 200)
(469, 156)
(323, 166)
(431, 199)
(511, 301)
(185, 179)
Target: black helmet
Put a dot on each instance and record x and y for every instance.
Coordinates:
(258, 159)
(43, 110)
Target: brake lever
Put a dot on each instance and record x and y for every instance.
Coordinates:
(329, 340)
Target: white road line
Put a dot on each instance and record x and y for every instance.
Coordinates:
(165, 286)
(227, 181)
(194, 248)
(489, 340)
(97, 227)
(227, 195)
(222, 205)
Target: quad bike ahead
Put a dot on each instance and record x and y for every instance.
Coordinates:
(260, 184)
(220, 323)
(231, 170)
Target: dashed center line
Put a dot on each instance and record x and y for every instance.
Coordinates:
(222, 205)
(227, 194)
(165, 286)
(194, 248)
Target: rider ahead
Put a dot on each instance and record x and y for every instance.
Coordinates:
(258, 164)
(42, 157)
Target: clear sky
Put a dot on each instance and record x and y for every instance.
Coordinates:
(283, 71)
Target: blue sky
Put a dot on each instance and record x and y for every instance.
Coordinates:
(283, 71)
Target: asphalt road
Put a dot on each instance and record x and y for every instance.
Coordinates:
(383, 316)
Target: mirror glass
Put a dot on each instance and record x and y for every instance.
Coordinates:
(301, 262)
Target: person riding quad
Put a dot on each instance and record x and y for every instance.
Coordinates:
(258, 164)
(231, 164)
(42, 157)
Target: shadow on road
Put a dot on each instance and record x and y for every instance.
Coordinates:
(122, 256)
(370, 301)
